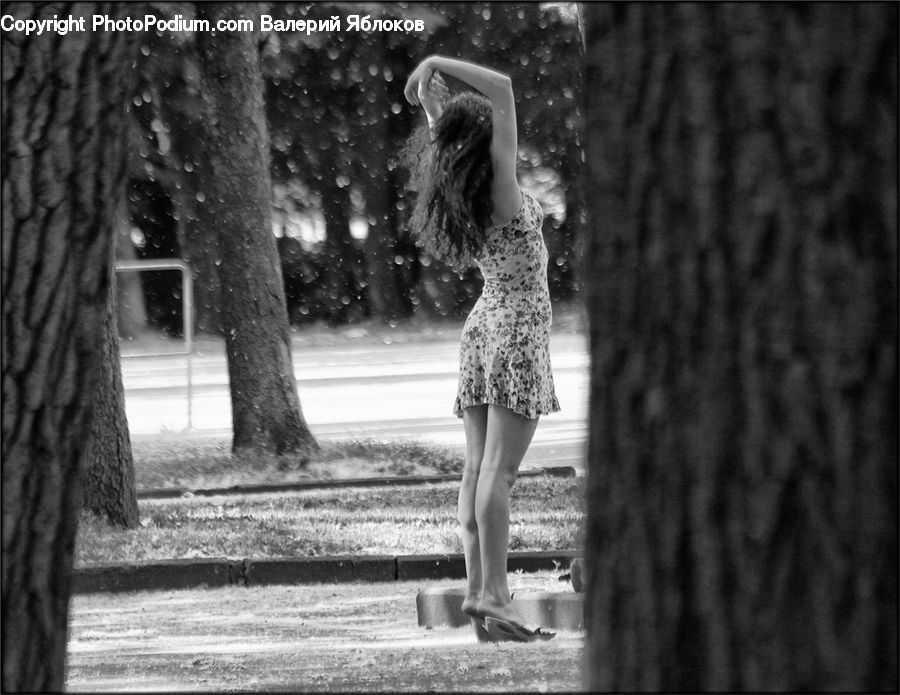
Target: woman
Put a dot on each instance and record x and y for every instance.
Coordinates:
(469, 207)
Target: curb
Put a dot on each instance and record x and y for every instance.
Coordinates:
(138, 576)
(387, 481)
(160, 575)
(550, 609)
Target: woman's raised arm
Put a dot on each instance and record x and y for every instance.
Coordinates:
(497, 87)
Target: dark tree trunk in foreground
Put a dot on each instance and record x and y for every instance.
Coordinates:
(108, 467)
(742, 292)
(265, 406)
(63, 111)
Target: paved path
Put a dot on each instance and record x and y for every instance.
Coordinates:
(358, 389)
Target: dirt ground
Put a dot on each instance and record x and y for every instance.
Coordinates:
(323, 638)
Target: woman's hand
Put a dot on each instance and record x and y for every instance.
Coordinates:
(433, 95)
(426, 87)
(421, 75)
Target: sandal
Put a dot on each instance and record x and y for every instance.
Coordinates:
(508, 631)
(481, 631)
(477, 620)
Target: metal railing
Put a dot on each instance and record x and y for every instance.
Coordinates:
(187, 301)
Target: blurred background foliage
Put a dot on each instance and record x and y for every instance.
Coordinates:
(337, 116)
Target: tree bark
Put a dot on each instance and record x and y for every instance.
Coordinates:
(199, 241)
(63, 164)
(108, 466)
(132, 316)
(342, 288)
(389, 259)
(181, 108)
(265, 407)
(168, 85)
(741, 286)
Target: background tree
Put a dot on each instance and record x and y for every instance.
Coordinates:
(391, 256)
(107, 465)
(177, 103)
(132, 310)
(60, 195)
(310, 103)
(168, 168)
(265, 407)
(742, 294)
(337, 115)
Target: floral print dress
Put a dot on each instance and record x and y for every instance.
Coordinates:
(504, 353)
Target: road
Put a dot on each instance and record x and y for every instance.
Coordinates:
(361, 389)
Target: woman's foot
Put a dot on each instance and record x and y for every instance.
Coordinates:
(500, 610)
(504, 623)
(470, 606)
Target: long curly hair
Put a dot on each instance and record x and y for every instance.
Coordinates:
(451, 174)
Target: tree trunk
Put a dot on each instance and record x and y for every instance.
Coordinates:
(741, 286)
(199, 239)
(341, 286)
(108, 467)
(265, 406)
(196, 231)
(564, 274)
(63, 164)
(132, 316)
(388, 258)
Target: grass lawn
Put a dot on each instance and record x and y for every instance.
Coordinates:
(191, 462)
(545, 514)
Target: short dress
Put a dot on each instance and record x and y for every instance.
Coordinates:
(504, 352)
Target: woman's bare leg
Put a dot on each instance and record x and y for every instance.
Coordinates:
(508, 438)
(475, 422)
